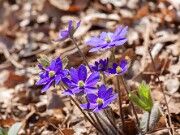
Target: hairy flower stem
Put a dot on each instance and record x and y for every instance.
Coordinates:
(112, 123)
(74, 101)
(120, 103)
(93, 122)
(102, 127)
(162, 90)
(104, 78)
(131, 103)
(149, 116)
(82, 55)
(119, 92)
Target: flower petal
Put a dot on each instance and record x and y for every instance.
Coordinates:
(78, 24)
(124, 31)
(70, 25)
(98, 108)
(117, 32)
(107, 102)
(68, 82)
(103, 35)
(108, 93)
(88, 106)
(95, 49)
(71, 91)
(102, 91)
(93, 79)
(64, 34)
(74, 75)
(67, 92)
(57, 79)
(123, 63)
(46, 86)
(112, 70)
(82, 72)
(43, 81)
(94, 41)
(92, 98)
(120, 42)
(89, 90)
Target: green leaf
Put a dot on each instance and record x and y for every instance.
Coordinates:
(144, 92)
(2, 131)
(139, 102)
(44, 61)
(15, 128)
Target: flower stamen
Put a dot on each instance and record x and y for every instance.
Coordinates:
(51, 73)
(108, 39)
(118, 69)
(81, 84)
(99, 101)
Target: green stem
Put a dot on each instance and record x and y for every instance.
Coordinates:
(149, 116)
(82, 55)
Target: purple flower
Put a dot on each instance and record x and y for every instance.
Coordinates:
(119, 69)
(108, 40)
(99, 101)
(69, 31)
(52, 73)
(102, 65)
(79, 83)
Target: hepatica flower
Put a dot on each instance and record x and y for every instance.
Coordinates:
(100, 65)
(69, 31)
(100, 101)
(79, 82)
(52, 73)
(119, 69)
(108, 39)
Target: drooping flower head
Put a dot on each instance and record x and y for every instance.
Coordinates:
(108, 39)
(79, 82)
(69, 31)
(52, 73)
(119, 69)
(100, 101)
(100, 65)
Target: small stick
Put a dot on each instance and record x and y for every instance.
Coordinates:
(162, 90)
(82, 55)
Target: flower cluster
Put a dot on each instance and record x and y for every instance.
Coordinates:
(77, 81)
(52, 73)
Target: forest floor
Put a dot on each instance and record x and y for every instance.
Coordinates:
(27, 29)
